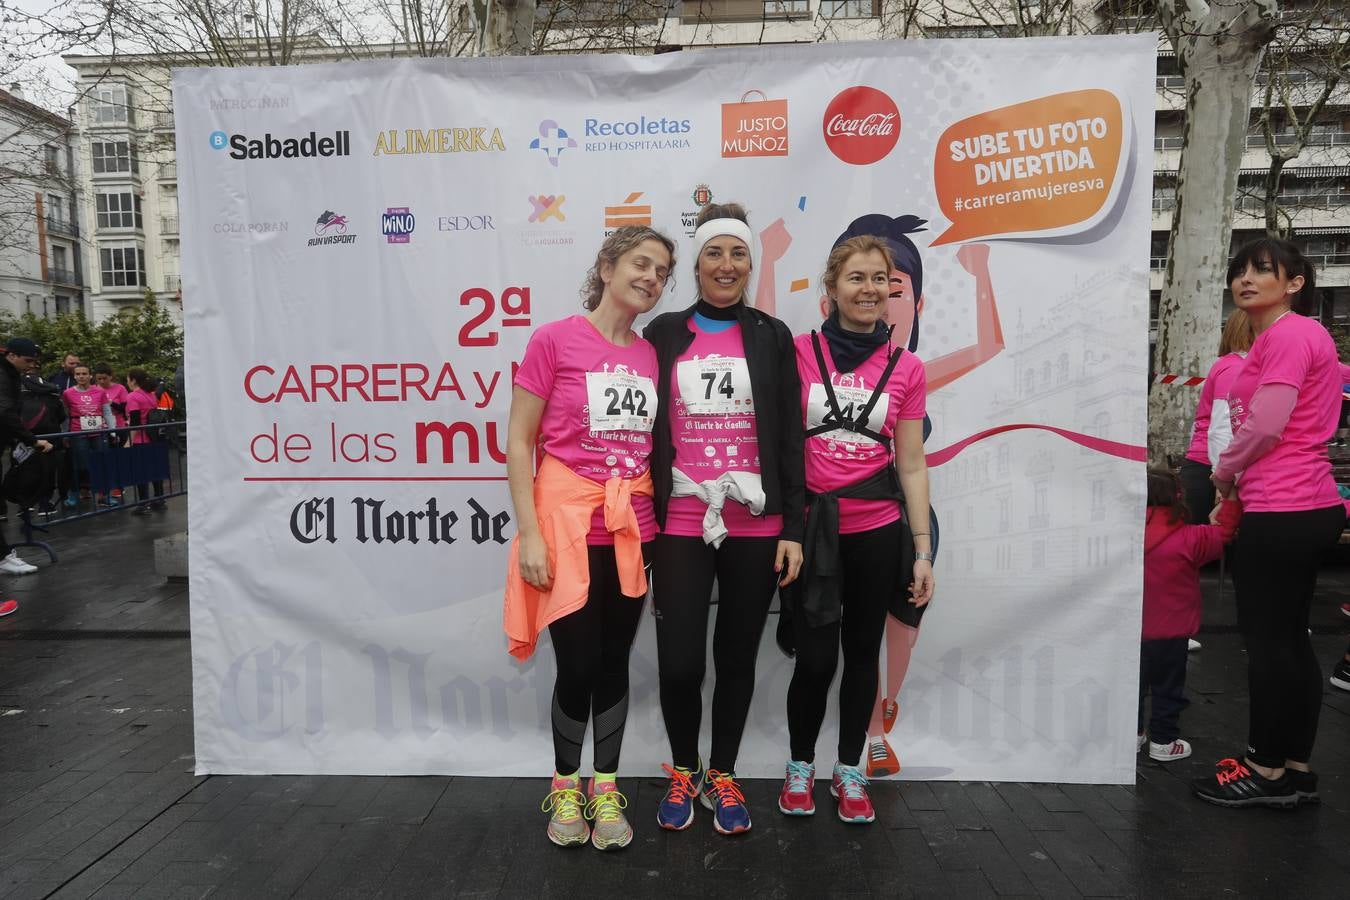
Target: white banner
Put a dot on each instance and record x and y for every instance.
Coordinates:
(367, 248)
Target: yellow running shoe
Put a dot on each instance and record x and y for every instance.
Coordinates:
(611, 831)
(567, 827)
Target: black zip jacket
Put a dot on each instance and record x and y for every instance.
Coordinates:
(11, 424)
(776, 389)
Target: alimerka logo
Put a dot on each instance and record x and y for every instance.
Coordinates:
(438, 140)
(861, 125)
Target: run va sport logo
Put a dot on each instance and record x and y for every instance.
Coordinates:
(861, 125)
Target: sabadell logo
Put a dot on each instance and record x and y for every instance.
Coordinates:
(861, 125)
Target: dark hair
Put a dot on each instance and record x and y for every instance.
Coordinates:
(1165, 490)
(83, 366)
(615, 246)
(846, 250)
(103, 369)
(1287, 259)
(140, 377)
(904, 255)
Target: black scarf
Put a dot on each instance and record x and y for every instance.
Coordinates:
(850, 349)
(717, 313)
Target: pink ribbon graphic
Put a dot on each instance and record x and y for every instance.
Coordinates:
(1113, 448)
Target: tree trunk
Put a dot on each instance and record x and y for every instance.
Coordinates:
(1219, 55)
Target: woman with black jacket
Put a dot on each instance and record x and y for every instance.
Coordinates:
(728, 474)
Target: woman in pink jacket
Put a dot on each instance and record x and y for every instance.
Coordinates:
(1210, 433)
(1173, 554)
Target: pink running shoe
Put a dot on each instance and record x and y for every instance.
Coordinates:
(850, 789)
(797, 798)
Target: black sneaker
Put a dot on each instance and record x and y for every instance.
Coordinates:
(1340, 676)
(1235, 785)
(1305, 785)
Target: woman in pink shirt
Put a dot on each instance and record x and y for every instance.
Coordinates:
(862, 402)
(583, 404)
(1283, 405)
(1210, 434)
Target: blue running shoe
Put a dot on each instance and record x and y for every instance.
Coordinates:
(676, 811)
(723, 796)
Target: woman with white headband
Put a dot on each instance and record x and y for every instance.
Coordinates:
(729, 492)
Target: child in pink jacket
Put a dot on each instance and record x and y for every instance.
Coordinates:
(1173, 555)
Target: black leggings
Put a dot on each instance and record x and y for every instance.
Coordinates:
(685, 569)
(1198, 491)
(591, 647)
(1275, 556)
(869, 560)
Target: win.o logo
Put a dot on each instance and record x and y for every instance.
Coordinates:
(219, 139)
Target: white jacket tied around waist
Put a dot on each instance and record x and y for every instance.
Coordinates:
(744, 487)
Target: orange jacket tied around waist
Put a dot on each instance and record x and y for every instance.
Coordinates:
(565, 503)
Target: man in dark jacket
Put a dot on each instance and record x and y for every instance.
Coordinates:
(20, 356)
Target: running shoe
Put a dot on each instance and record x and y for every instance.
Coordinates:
(676, 811)
(13, 565)
(796, 797)
(723, 796)
(849, 787)
(611, 831)
(1192, 645)
(1305, 785)
(7, 607)
(1235, 785)
(72, 500)
(881, 759)
(1172, 752)
(890, 711)
(567, 827)
(1345, 609)
(1340, 676)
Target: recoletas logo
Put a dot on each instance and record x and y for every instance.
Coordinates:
(861, 125)
(270, 146)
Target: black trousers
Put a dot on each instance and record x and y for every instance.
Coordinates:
(591, 647)
(869, 559)
(1275, 560)
(684, 572)
(1162, 675)
(1198, 491)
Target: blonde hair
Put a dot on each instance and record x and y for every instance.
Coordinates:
(1238, 335)
(846, 250)
(615, 246)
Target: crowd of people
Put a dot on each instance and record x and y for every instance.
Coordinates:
(42, 420)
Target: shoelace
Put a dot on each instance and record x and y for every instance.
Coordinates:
(876, 750)
(566, 803)
(606, 807)
(681, 785)
(799, 777)
(727, 790)
(1233, 770)
(852, 784)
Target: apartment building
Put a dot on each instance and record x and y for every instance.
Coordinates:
(125, 149)
(41, 266)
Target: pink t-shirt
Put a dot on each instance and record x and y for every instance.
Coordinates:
(85, 408)
(713, 426)
(836, 459)
(1217, 383)
(117, 394)
(599, 406)
(140, 401)
(1296, 473)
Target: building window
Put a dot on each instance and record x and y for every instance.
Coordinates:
(1004, 459)
(108, 106)
(51, 155)
(120, 210)
(777, 9)
(1038, 554)
(1004, 514)
(115, 156)
(848, 9)
(1062, 369)
(62, 304)
(122, 266)
(59, 257)
(56, 208)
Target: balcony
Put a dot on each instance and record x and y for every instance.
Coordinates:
(164, 121)
(63, 228)
(64, 276)
(173, 284)
(168, 225)
(167, 171)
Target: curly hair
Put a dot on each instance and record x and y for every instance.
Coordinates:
(615, 246)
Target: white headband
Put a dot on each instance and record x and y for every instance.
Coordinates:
(720, 227)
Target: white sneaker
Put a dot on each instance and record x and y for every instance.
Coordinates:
(12, 565)
(1192, 644)
(1178, 749)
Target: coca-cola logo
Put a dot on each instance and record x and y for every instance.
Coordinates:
(861, 125)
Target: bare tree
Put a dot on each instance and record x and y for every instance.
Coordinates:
(1219, 47)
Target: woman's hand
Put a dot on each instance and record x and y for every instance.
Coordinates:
(788, 561)
(533, 558)
(921, 588)
(1223, 486)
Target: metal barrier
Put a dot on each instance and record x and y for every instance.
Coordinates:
(113, 463)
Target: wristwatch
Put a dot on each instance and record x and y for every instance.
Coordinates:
(919, 555)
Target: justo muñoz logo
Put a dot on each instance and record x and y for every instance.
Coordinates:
(861, 125)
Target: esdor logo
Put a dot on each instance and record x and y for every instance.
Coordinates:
(861, 125)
